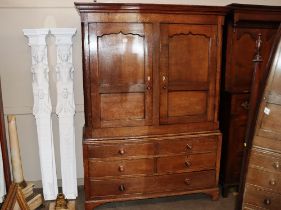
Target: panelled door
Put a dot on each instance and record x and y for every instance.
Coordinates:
(244, 50)
(187, 73)
(121, 75)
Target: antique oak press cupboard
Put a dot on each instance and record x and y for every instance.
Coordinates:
(151, 77)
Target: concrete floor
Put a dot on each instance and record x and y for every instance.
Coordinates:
(186, 202)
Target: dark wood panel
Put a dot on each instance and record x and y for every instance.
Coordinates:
(184, 103)
(122, 107)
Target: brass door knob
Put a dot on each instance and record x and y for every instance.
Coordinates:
(267, 201)
(122, 151)
(122, 188)
(121, 168)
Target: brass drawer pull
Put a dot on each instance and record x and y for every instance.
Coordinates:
(122, 151)
(267, 201)
(122, 188)
(276, 165)
(121, 168)
(245, 105)
(272, 182)
(188, 147)
(187, 163)
(187, 181)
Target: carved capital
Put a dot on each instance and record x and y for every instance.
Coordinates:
(36, 36)
(63, 35)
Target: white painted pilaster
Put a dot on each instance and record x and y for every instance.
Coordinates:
(42, 110)
(66, 109)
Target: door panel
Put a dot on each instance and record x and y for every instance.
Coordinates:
(121, 59)
(187, 73)
(244, 50)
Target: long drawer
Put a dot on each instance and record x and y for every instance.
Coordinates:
(121, 167)
(152, 184)
(188, 145)
(262, 198)
(120, 150)
(186, 163)
(264, 179)
(268, 161)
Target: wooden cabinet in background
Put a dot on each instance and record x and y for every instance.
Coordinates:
(151, 88)
(261, 183)
(245, 24)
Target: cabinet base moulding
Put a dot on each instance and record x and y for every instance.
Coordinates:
(212, 192)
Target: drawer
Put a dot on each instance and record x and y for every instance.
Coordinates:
(188, 145)
(187, 181)
(264, 179)
(269, 161)
(120, 167)
(120, 150)
(153, 184)
(122, 186)
(193, 162)
(262, 198)
(240, 103)
(267, 143)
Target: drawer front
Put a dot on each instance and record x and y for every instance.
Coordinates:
(266, 161)
(113, 187)
(262, 198)
(120, 167)
(153, 184)
(193, 162)
(264, 179)
(120, 150)
(188, 145)
(187, 181)
(240, 103)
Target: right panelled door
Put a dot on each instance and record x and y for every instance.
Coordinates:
(187, 73)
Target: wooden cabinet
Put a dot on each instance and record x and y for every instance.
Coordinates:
(260, 188)
(151, 88)
(245, 24)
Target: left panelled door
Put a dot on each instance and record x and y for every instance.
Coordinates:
(121, 74)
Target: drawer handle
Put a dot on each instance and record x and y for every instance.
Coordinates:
(245, 105)
(276, 165)
(187, 163)
(272, 182)
(122, 151)
(187, 181)
(188, 147)
(267, 201)
(121, 168)
(122, 188)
